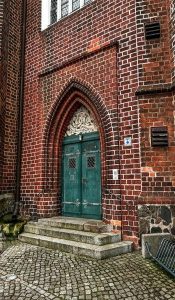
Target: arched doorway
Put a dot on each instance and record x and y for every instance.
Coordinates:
(81, 167)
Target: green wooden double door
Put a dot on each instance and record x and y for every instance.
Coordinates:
(81, 188)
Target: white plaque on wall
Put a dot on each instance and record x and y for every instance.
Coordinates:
(115, 174)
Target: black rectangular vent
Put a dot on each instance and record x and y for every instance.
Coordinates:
(159, 137)
(152, 31)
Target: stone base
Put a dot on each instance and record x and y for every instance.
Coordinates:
(7, 203)
(156, 219)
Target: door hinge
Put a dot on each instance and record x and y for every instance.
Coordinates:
(86, 203)
(76, 202)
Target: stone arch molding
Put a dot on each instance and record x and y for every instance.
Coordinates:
(71, 100)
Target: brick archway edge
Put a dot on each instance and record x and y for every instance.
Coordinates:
(70, 99)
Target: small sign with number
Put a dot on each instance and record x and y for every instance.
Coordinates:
(128, 141)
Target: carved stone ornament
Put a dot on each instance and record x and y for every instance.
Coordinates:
(81, 122)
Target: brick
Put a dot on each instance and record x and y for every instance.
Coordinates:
(98, 54)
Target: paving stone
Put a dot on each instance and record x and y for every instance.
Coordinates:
(45, 274)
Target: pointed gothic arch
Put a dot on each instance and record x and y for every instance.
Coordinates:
(74, 95)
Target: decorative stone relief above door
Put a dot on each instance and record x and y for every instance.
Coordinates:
(81, 122)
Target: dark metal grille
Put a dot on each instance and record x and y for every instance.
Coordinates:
(91, 162)
(75, 4)
(64, 8)
(152, 31)
(159, 136)
(165, 255)
(72, 163)
(53, 12)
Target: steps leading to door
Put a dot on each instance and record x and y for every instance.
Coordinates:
(77, 236)
(73, 235)
(80, 224)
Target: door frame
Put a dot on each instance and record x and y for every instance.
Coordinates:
(84, 137)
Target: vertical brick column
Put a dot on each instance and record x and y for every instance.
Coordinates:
(32, 155)
(129, 118)
(172, 27)
(1, 95)
(156, 70)
(1, 21)
(10, 66)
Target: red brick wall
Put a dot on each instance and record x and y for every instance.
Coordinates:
(154, 56)
(92, 29)
(172, 27)
(158, 163)
(156, 67)
(10, 65)
(1, 96)
(1, 21)
(82, 49)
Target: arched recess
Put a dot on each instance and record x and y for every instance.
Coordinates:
(71, 99)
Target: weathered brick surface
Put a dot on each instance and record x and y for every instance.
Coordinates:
(88, 37)
(100, 56)
(154, 56)
(1, 22)
(156, 69)
(1, 96)
(172, 32)
(110, 74)
(158, 172)
(11, 33)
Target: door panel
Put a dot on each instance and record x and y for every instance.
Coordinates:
(82, 177)
(72, 179)
(91, 179)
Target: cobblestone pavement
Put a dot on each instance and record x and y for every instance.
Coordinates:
(30, 272)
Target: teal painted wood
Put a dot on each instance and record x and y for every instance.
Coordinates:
(91, 179)
(72, 179)
(81, 137)
(81, 195)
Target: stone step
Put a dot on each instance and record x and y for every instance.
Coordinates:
(74, 235)
(79, 224)
(77, 248)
